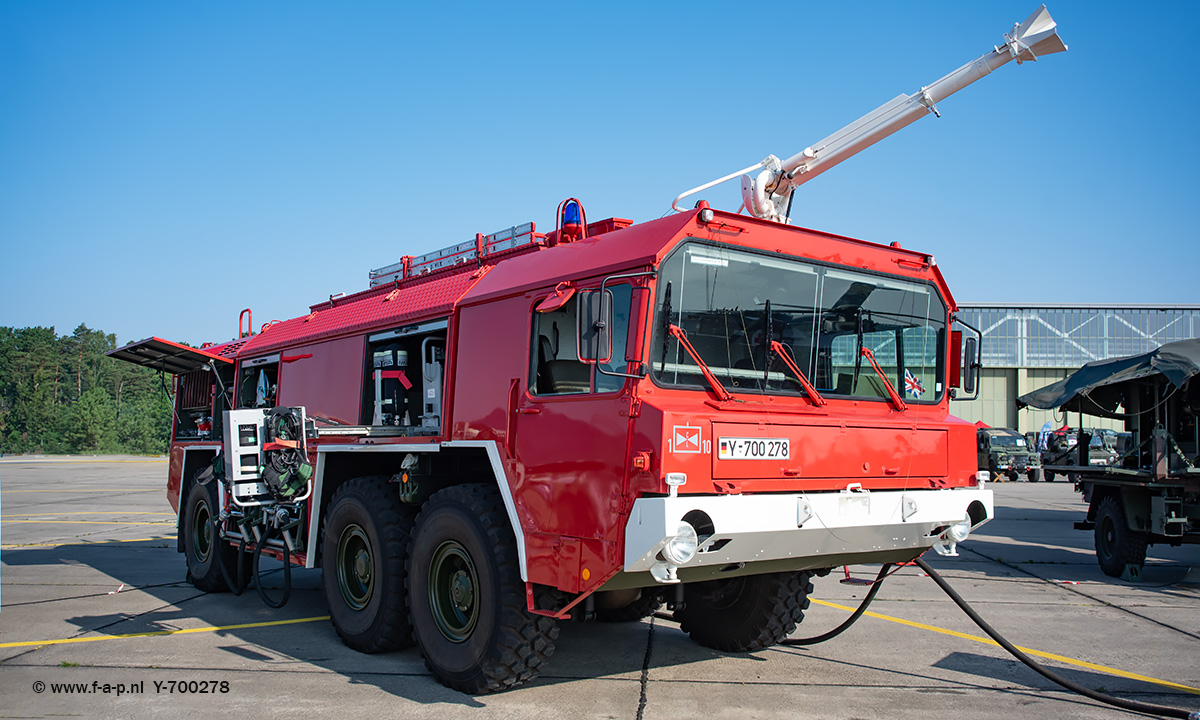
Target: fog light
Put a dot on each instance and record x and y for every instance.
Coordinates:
(682, 548)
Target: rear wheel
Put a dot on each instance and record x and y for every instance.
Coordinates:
(467, 598)
(744, 614)
(1117, 547)
(365, 542)
(202, 544)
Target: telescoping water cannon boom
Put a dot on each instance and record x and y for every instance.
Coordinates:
(768, 193)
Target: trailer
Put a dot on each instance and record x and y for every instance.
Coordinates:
(1150, 493)
(704, 411)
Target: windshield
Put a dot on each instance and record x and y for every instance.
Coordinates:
(820, 316)
(1006, 440)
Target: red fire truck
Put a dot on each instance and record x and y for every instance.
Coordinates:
(704, 410)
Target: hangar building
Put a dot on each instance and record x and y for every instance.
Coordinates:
(1026, 347)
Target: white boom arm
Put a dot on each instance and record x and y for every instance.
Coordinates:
(768, 194)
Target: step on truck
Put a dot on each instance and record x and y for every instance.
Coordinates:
(705, 410)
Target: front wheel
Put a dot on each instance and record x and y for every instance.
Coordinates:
(365, 542)
(467, 598)
(744, 614)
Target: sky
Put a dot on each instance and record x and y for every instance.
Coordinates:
(165, 165)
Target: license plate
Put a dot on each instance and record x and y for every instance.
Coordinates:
(753, 449)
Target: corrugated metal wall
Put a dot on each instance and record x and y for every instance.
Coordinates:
(997, 403)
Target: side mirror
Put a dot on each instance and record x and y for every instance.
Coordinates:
(956, 340)
(635, 341)
(970, 364)
(594, 327)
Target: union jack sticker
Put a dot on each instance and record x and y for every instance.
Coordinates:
(912, 385)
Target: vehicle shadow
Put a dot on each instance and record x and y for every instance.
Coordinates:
(160, 601)
(1012, 670)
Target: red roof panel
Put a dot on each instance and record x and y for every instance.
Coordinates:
(379, 308)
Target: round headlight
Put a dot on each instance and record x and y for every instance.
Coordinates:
(682, 548)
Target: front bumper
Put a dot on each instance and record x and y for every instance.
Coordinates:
(809, 530)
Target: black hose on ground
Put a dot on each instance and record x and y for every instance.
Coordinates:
(862, 608)
(287, 572)
(1132, 705)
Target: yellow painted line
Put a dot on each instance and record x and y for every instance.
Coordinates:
(84, 544)
(87, 522)
(160, 633)
(68, 461)
(84, 490)
(113, 512)
(1027, 651)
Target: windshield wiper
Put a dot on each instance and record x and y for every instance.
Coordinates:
(813, 395)
(666, 321)
(719, 389)
(870, 356)
(769, 333)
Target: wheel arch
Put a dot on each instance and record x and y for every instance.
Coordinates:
(194, 458)
(1134, 502)
(455, 462)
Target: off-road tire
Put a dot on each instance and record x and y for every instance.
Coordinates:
(744, 614)
(1049, 475)
(202, 545)
(364, 546)
(1013, 475)
(643, 607)
(467, 598)
(1117, 547)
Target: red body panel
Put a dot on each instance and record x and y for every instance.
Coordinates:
(175, 475)
(328, 383)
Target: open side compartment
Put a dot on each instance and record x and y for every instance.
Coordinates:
(403, 383)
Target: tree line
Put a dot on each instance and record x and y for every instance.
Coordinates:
(63, 395)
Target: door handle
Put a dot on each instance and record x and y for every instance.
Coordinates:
(529, 411)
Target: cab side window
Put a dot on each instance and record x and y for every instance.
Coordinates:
(620, 295)
(554, 357)
(556, 367)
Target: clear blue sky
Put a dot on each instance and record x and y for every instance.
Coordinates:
(165, 164)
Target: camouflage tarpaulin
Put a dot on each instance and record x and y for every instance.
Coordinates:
(1098, 388)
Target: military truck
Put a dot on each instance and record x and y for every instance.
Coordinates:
(1151, 493)
(1006, 454)
(1062, 451)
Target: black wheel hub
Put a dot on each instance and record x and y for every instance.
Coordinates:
(202, 532)
(452, 591)
(355, 567)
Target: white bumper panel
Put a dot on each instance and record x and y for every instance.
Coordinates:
(753, 528)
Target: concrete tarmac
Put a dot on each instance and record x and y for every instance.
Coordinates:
(93, 597)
